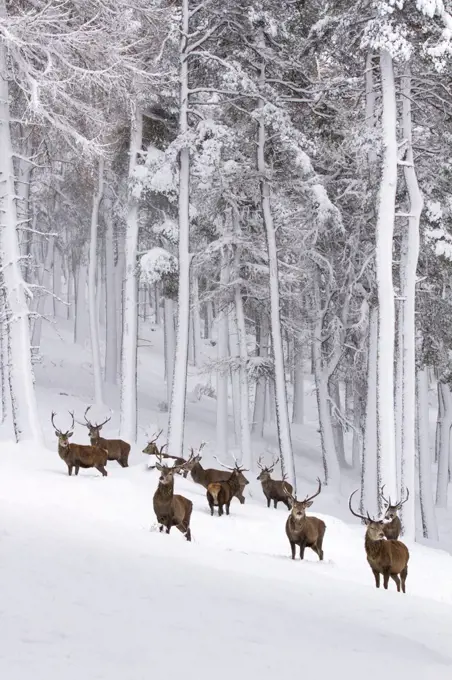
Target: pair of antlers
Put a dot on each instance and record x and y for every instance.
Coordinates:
(390, 504)
(268, 468)
(57, 431)
(175, 468)
(373, 519)
(89, 423)
(308, 498)
(236, 468)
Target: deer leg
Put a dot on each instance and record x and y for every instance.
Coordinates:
(318, 550)
(102, 470)
(403, 575)
(385, 579)
(122, 463)
(69, 469)
(188, 534)
(292, 547)
(240, 495)
(302, 547)
(227, 507)
(395, 578)
(275, 504)
(77, 468)
(269, 500)
(220, 509)
(377, 577)
(287, 504)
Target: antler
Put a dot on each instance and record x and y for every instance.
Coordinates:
(307, 499)
(388, 502)
(53, 423)
(261, 467)
(399, 505)
(366, 519)
(71, 413)
(155, 437)
(165, 446)
(185, 463)
(272, 466)
(102, 424)
(88, 422)
(237, 467)
(287, 491)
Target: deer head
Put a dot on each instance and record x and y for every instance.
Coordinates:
(167, 473)
(374, 526)
(151, 448)
(299, 508)
(265, 471)
(63, 437)
(94, 429)
(392, 508)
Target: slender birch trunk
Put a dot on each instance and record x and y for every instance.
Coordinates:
(408, 291)
(261, 384)
(298, 387)
(245, 438)
(128, 392)
(176, 423)
(45, 283)
(429, 525)
(357, 442)
(222, 372)
(58, 306)
(282, 410)
(20, 373)
(81, 312)
(442, 481)
(384, 249)
(369, 481)
(170, 344)
(111, 339)
(93, 264)
(234, 350)
(196, 316)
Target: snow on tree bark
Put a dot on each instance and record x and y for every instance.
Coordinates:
(170, 344)
(222, 424)
(282, 410)
(408, 293)
(111, 340)
(429, 525)
(20, 372)
(442, 481)
(128, 393)
(298, 387)
(369, 479)
(245, 438)
(261, 384)
(385, 289)
(176, 423)
(92, 301)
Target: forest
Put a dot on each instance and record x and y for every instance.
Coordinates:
(270, 180)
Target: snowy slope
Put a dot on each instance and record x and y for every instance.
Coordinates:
(87, 590)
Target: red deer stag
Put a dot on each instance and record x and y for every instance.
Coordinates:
(171, 510)
(274, 489)
(117, 449)
(306, 532)
(385, 556)
(207, 476)
(221, 493)
(392, 526)
(78, 455)
(152, 449)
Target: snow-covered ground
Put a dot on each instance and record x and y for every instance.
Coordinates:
(89, 590)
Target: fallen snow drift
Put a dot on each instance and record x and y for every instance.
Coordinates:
(88, 591)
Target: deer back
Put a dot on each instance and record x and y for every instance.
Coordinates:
(88, 456)
(275, 489)
(116, 447)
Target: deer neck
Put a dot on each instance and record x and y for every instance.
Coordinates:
(198, 473)
(166, 491)
(297, 524)
(373, 547)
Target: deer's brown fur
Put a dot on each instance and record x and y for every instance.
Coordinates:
(78, 456)
(117, 449)
(208, 476)
(392, 526)
(171, 510)
(220, 494)
(386, 557)
(302, 531)
(274, 489)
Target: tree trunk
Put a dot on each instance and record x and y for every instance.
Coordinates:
(282, 410)
(429, 526)
(442, 481)
(408, 292)
(245, 438)
(93, 262)
(119, 293)
(369, 483)
(358, 431)
(196, 316)
(298, 386)
(20, 373)
(81, 311)
(261, 384)
(170, 344)
(59, 309)
(384, 247)
(439, 417)
(399, 368)
(45, 284)
(176, 423)
(111, 338)
(222, 372)
(235, 375)
(338, 433)
(128, 395)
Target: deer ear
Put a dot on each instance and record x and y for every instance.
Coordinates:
(69, 434)
(309, 503)
(159, 467)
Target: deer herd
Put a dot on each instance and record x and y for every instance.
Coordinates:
(386, 555)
